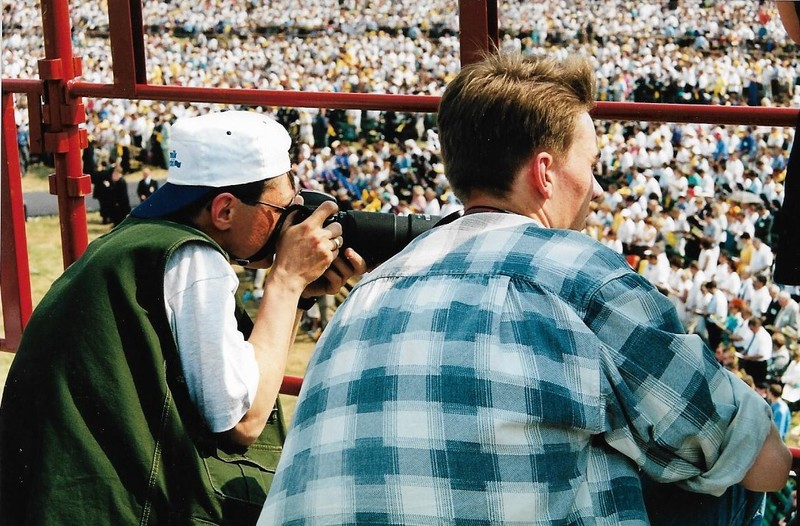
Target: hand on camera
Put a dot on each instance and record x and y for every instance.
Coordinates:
(348, 264)
(312, 252)
(306, 249)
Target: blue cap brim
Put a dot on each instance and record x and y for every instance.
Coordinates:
(168, 199)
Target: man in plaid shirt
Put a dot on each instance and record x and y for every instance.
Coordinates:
(506, 368)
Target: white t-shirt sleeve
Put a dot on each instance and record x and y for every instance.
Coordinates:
(218, 363)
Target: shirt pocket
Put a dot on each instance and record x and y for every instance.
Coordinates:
(242, 478)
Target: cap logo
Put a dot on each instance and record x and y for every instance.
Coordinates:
(173, 159)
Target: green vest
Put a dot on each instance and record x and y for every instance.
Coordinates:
(96, 424)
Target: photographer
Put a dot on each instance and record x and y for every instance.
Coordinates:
(140, 384)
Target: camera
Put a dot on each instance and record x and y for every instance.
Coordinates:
(376, 236)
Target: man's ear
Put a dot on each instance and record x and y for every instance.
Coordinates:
(539, 173)
(222, 209)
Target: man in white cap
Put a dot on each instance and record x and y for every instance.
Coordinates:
(141, 391)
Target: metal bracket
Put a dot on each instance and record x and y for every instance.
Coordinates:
(76, 186)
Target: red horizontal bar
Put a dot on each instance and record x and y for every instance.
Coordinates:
(291, 385)
(705, 113)
(626, 111)
(260, 97)
(23, 86)
(795, 459)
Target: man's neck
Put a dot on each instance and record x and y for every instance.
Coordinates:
(491, 203)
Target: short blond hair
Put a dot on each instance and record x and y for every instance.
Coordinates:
(498, 111)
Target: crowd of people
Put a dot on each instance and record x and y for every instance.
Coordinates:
(468, 377)
(732, 52)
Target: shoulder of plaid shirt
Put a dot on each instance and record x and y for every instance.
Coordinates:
(506, 372)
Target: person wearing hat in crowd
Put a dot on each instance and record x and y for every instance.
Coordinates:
(451, 204)
(505, 368)
(158, 401)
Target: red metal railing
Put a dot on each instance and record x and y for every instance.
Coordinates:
(15, 281)
(291, 385)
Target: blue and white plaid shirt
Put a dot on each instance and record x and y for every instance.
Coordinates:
(499, 372)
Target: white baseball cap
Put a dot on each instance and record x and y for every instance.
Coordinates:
(214, 151)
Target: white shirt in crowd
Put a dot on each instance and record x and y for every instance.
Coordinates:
(717, 305)
(759, 301)
(761, 259)
(759, 344)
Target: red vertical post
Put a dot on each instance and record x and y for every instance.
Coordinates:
(15, 282)
(61, 115)
(478, 29)
(126, 33)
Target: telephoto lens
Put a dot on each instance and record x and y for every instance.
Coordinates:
(376, 236)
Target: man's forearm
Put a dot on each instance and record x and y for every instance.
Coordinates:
(273, 333)
(771, 469)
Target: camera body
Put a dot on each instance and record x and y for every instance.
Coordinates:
(375, 236)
